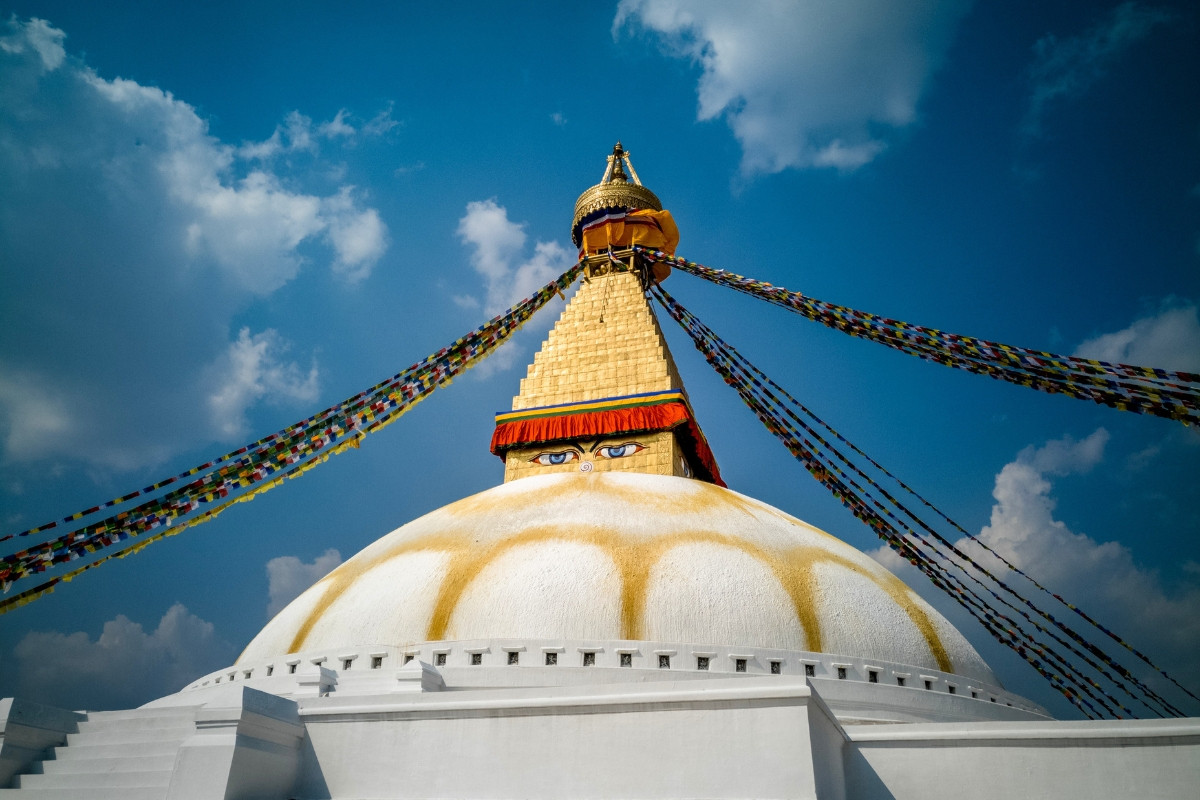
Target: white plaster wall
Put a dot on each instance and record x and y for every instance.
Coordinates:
(663, 741)
(1143, 759)
(372, 671)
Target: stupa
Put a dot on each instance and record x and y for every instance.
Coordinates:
(610, 621)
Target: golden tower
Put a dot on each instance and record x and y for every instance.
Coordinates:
(603, 392)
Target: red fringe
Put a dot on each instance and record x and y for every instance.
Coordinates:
(612, 422)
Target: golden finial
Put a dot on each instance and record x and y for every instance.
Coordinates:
(617, 172)
(614, 191)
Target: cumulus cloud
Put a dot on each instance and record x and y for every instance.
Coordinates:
(497, 254)
(40, 37)
(1102, 577)
(123, 668)
(805, 85)
(1068, 67)
(359, 237)
(131, 237)
(1104, 574)
(1168, 339)
(252, 370)
(288, 576)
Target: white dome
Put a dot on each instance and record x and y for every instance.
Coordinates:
(618, 556)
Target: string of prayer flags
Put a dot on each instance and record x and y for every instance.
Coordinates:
(202, 492)
(1143, 390)
(1091, 679)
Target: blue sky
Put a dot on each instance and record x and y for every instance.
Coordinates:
(217, 218)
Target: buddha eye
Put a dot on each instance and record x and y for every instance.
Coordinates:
(554, 459)
(619, 450)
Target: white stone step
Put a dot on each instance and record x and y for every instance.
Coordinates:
(89, 780)
(137, 762)
(137, 723)
(142, 713)
(113, 750)
(131, 737)
(74, 793)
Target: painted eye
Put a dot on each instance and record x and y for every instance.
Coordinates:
(619, 450)
(554, 459)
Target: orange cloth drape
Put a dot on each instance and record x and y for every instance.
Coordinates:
(651, 229)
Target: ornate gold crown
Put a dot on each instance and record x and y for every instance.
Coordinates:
(613, 191)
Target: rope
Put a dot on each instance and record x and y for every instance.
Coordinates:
(764, 397)
(262, 465)
(1143, 390)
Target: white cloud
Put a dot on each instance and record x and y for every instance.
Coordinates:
(266, 149)
(359, 237)
(297, 134)
(251, 229)
(465, 301)
(132, 237)
(1101, 577)
(30, 414)
(293, 135)
(382, 122)
(558, 119)
(39, 36)
(1066, 67)
(494, 238)
(408, 169)
(1169, 339)
(250, 371)
(288, 576)
(497, 245)
(336, 127)
(124, 667)
(1022, 526)
(805, 85)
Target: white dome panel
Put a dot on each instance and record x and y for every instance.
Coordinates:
(545, 589)
(414, 576)
(714, 593)
(858, 616)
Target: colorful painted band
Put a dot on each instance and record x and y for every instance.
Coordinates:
(641, 413)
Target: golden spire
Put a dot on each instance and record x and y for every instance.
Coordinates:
(613, 191)
(603, 392)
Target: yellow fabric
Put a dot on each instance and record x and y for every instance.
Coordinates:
(647, 228)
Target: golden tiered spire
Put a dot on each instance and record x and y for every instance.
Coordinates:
(603, 393)
(614, 191)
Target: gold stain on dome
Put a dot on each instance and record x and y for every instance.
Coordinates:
(634, 557)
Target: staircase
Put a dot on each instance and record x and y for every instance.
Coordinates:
(116, 755)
